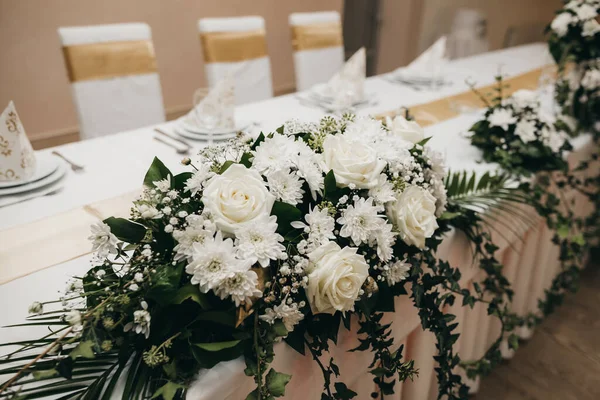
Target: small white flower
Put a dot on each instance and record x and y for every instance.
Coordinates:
(134, 287)
(257, 241)
(103, 241)
(141, 321)
(164, 185)
(169, 228)
(385, 238)
(383, 192)
(73, 318)
(286, 187)
(290, 315)
(522, 99)
(167, 210)
(502, 117)
(397, 272)
(320, 226)
(138, 277)
(309, 170)
(526, 131)
(194, 233)
(100, 274)
(591, 79)
(36, 308)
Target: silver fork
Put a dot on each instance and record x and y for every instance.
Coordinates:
(75, 167)
(177, 149)
(177, 139)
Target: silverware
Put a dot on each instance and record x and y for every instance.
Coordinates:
(172, 137)
(177, 149)
(75, 167)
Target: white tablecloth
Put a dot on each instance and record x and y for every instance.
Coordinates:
(116, 164)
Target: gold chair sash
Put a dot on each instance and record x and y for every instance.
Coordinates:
(317, 36)
(233, 46)
(109, 60)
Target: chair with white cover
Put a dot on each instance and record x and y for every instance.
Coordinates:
(237, 46)
(114, 78)
(318, 47)
(468, 35)
(517, 35)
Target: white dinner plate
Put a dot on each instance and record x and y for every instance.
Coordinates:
(205, 137)
(198, 130)
(46, 164)
(32, 194)
(53, 177)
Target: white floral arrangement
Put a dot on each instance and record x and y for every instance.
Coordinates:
(520, 136)
(263, 240)
(575, 45)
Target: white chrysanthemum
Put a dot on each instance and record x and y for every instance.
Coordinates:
(438, 190)
(383, 192)
(364, 129)
(241, 286)
(385, 238)
(361, 220)
(290, 315)
(560, 24)
(164, 185)
(553, 139)
(502, 117)
(275, 153)
(286, 186)
(148, 212)
(198, 179)
(258, 242)
(103, 241)
(397, 272)
(522, 99)
(309, 170)
(186, 239)
(320, 225)
(141, 321)
(526, 131)
(585, 12)
(590, 28)
(436, 162)
(212, 262)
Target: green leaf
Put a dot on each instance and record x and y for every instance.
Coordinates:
(330, 184)
(276, 382)
(180, 180)
(245, 160)
(83, 349)
(125, 230)
(165, 283)
(217, 346)
(286, 214)
(343, 392)
(167, 391)
(424, 141)
(279, 328)
(513, 341)
(258, 141)
(563, 231)
(193, 293)
(226, 166)
(156, 172)
(45, 374)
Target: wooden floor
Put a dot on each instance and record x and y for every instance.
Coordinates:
(562, 360)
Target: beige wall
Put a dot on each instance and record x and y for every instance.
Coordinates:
(501, 14)
(32, 71)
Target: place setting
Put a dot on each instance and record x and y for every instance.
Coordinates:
(344, 91)
(426, 71)
(25, 174)
(211, 120)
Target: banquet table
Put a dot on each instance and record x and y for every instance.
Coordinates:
(114, 169)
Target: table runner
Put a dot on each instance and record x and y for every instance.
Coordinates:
(63, 237)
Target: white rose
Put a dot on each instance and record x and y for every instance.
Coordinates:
(352, 162)
(335, 278)
(413, 214)
(525, 98)
(236, 197)
(586, 12)
(407, 130)
(561, 23)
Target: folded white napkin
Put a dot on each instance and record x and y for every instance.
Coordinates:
(17, 158)
(429, 64)
(346, 87)
(216, 110)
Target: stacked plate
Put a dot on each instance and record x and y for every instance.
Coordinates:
(191, 131)
(415, 79)
(319, 96)
(48, 178)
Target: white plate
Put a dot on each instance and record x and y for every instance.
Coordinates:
(205, 137)
(53, 177)
(215, 132)
(46, 164)
(32, 194)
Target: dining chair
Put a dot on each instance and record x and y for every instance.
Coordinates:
(517, 35)
(237, 46)
(318, 46)
(114, 77)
